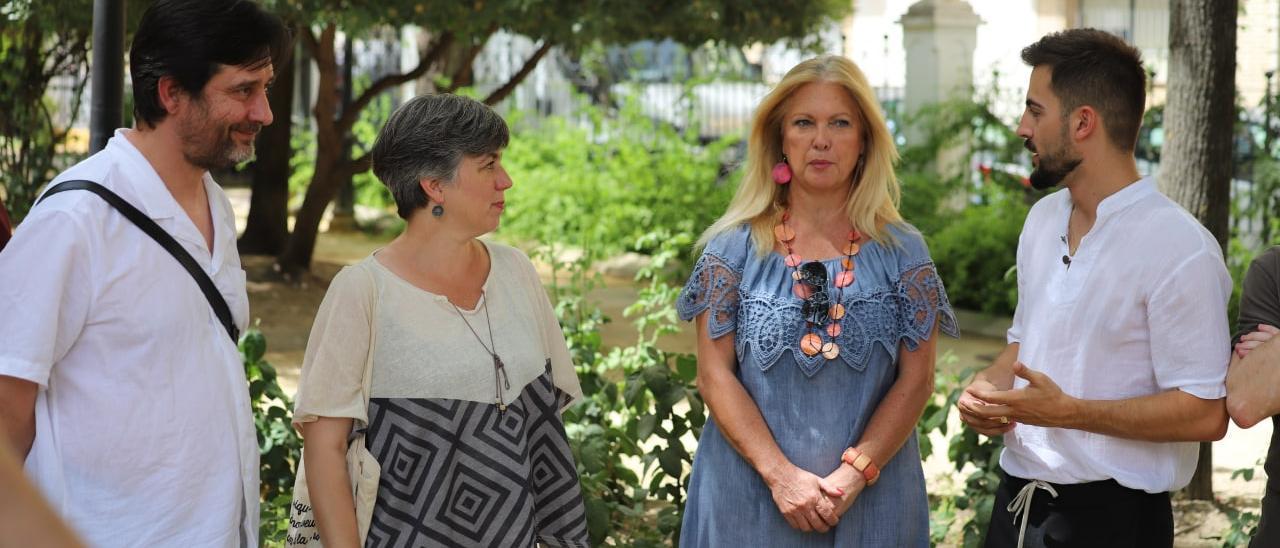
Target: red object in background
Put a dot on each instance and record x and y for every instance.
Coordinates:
(6, 226)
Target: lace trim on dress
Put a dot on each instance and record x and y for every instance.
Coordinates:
(714, 286)
(923, 302)
(775, 326)
(904, 313)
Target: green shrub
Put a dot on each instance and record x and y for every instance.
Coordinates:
(974, 244)
(302, 163)
(612, 183)
(923, 195)
(1242, 525)
(976, 251)
(41, 43)
(627, 432)
(964, 447)
(278, 444)
(369, 191)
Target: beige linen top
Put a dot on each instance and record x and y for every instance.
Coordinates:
(423, 348)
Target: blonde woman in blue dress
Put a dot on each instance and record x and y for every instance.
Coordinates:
(817, 309)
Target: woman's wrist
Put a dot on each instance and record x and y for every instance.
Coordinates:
(774, 471)
(861, 463)
(856, 479)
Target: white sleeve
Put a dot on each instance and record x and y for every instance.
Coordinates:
(45, 293)
(563, 373)
(332, 379)
(1190, 337)
(1017, 330)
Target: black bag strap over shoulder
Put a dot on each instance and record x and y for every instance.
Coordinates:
(166, 241)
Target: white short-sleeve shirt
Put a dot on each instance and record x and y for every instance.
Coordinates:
(1140, 309)
(144, 434)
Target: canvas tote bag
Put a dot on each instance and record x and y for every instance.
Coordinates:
(362, 468)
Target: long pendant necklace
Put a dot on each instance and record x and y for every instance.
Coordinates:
(500, 380)
(820, 314)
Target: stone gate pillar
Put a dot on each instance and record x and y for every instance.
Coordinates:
(939, 37)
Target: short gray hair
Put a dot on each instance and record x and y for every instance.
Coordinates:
(426, 138)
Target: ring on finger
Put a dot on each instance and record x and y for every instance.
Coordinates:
(1003, 419)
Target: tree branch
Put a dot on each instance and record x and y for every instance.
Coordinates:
(75, 107)
(349, 167)
(432, 54)
(64, 55)
(309, 39)
(322, 51)
(360, 165)
(470, 57)
(501, 93)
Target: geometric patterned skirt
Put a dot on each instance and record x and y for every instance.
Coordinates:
(461, 473)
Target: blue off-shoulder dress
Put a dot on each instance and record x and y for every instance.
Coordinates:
(814, 408)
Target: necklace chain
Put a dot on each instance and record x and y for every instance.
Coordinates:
(500, 379)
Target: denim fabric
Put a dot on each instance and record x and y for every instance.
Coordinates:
(814, 408)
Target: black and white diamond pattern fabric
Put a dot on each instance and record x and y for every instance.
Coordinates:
(461, 473)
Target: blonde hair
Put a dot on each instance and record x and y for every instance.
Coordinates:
(873, 201)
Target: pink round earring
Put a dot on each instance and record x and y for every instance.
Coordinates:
(782, 171)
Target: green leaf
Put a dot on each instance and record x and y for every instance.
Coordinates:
(670, 460)
(253, 345)
(687, 366)
(678, 429)
(646, 426)
(597, 519)
(1246, 472)
(926, 445)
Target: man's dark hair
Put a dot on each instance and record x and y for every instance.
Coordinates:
(189, 40)
(1098, 69)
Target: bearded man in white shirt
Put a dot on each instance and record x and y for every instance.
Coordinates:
(119, 384)
(1119, 346)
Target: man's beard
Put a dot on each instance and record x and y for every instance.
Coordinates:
(208, 144)
(1052, 169)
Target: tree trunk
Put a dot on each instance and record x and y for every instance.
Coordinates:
(267, 229)
(297, 255)
(344, 209)
(460, 66)
(1197, 166)
(296, 258)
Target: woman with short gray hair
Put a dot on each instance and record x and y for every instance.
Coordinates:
(469, 370)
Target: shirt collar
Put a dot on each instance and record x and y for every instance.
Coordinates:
(1125, 197)
(153, 197)
(155, 200)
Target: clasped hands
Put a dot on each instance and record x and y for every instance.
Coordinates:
(812, 503)
(1254, 339)
(991, 411)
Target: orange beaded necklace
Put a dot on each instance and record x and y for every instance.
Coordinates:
(810, 286)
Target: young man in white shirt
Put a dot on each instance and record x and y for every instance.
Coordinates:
(118, 383)
(1119, 345)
